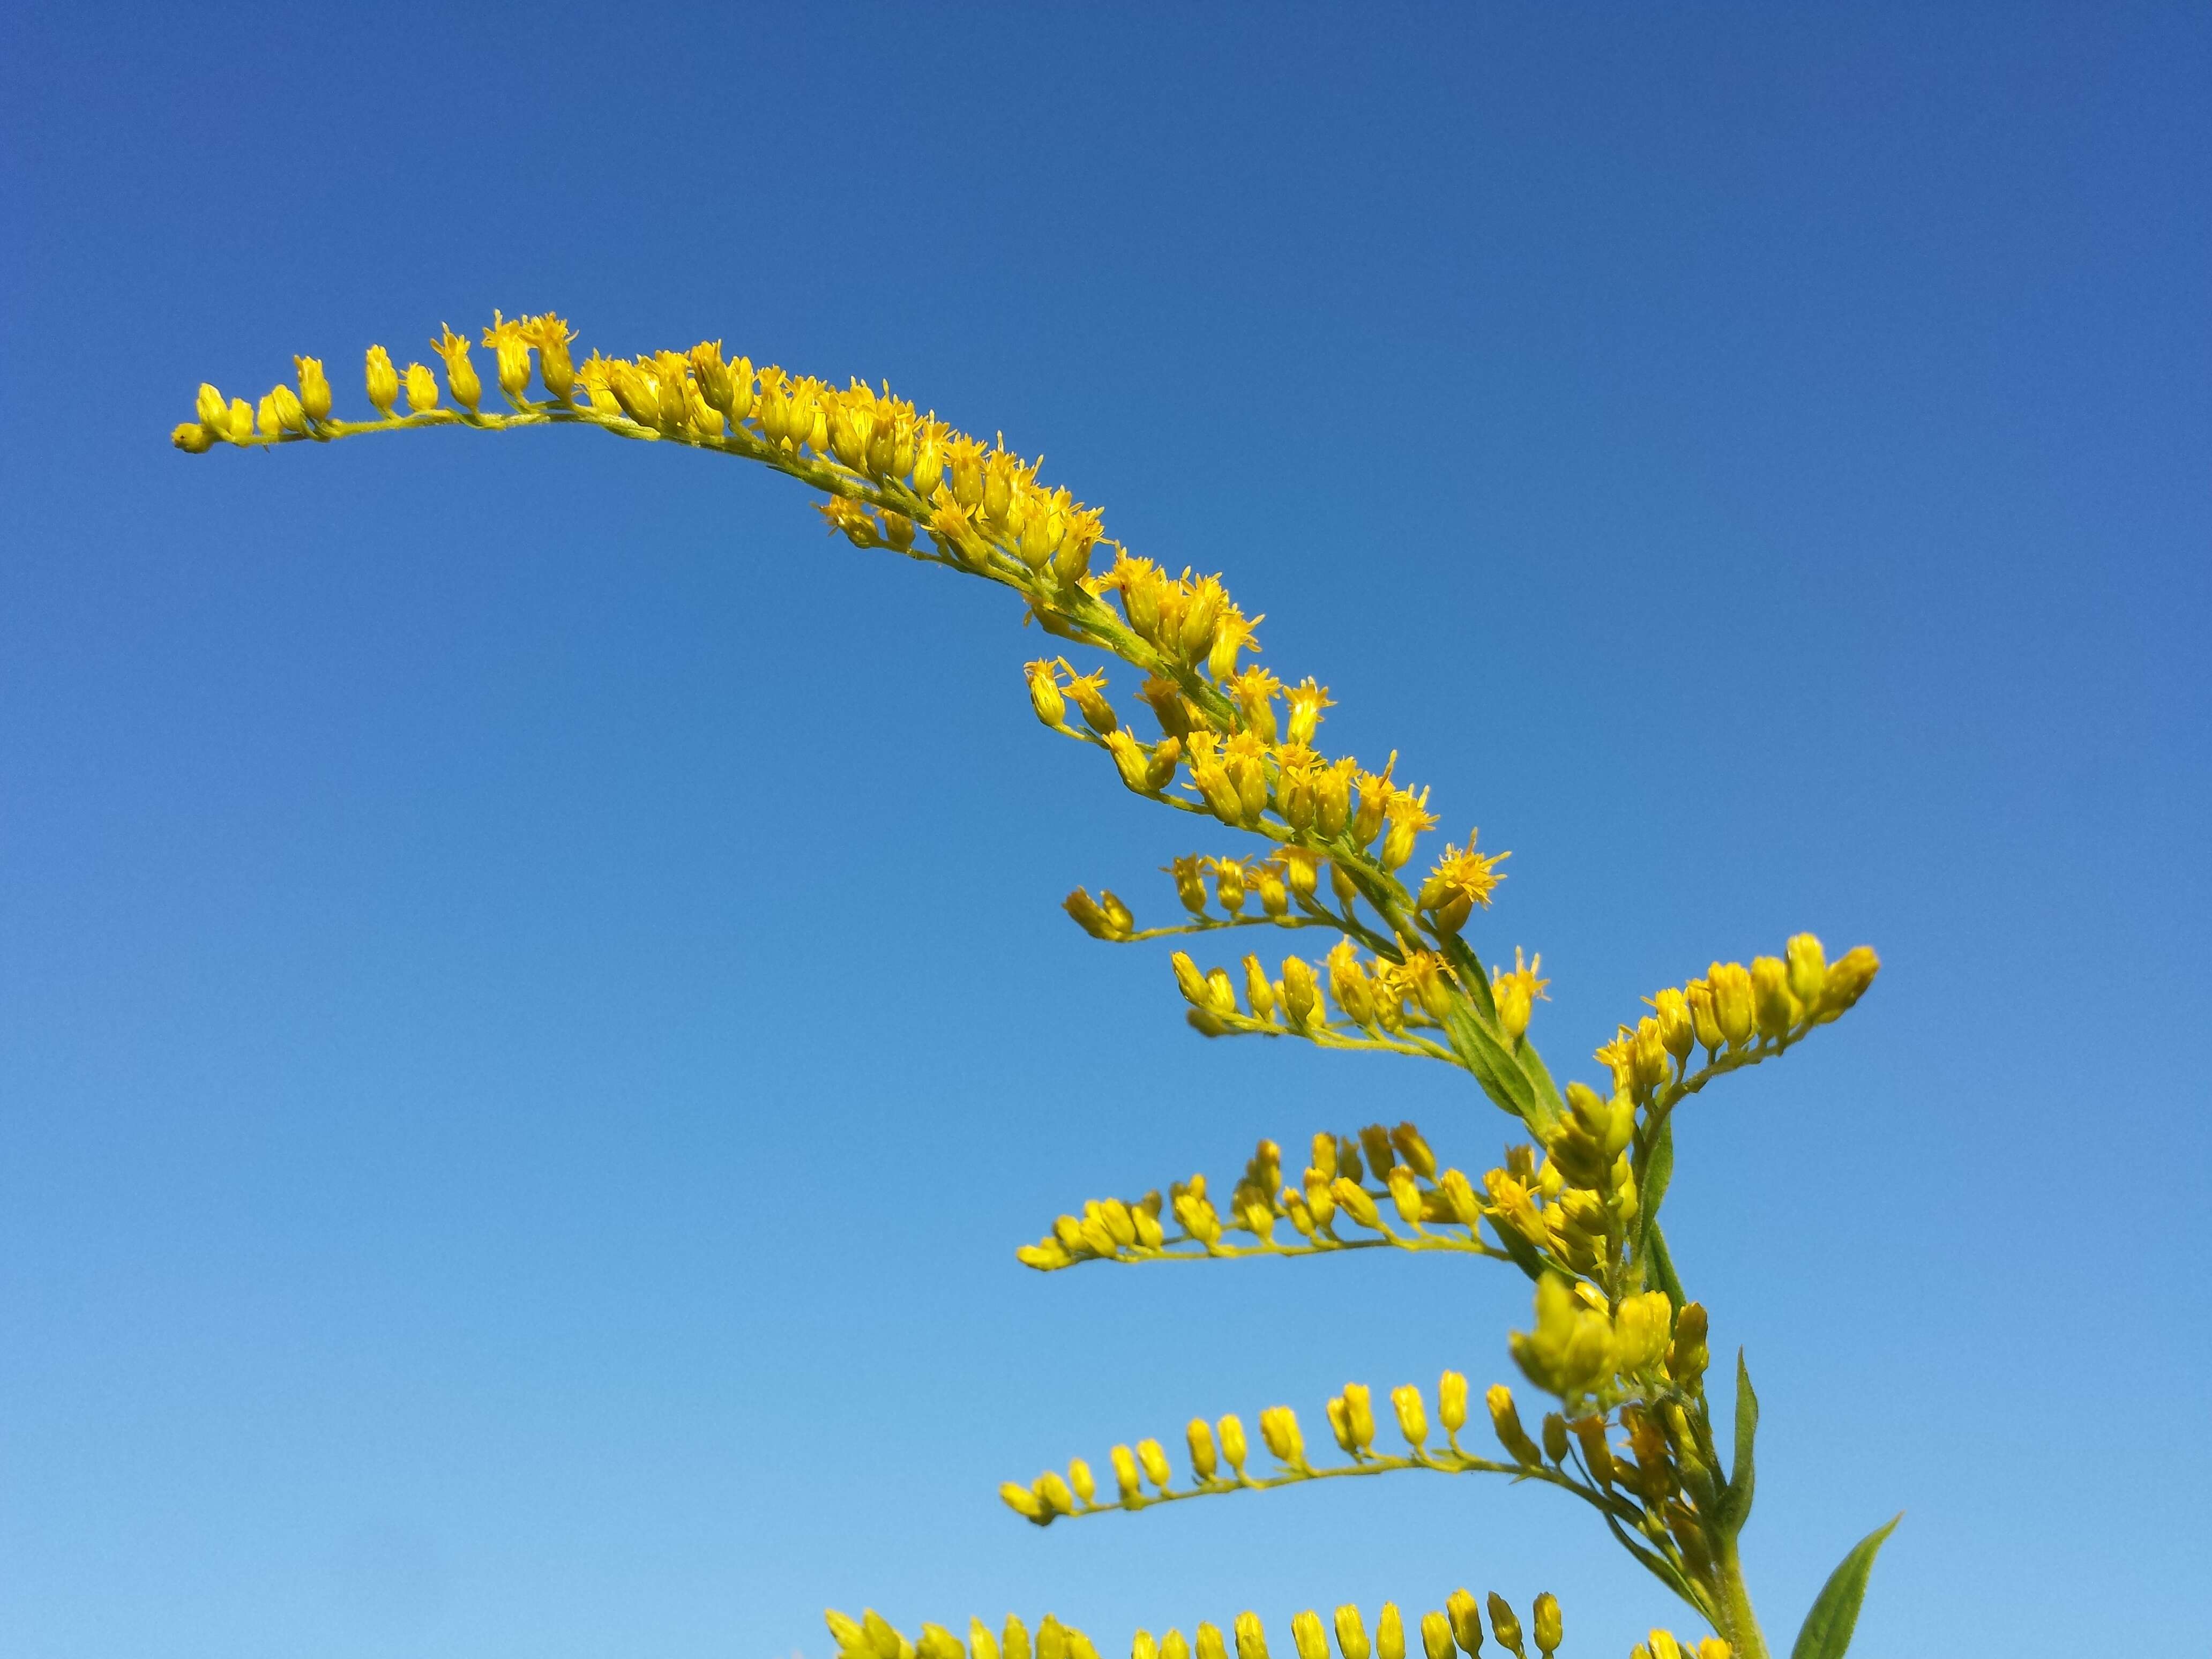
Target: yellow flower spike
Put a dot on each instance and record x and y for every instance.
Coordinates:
(1279, 1427)
(1466, 1622)
(1451, 1402)
(1209, 1644)
(1412, 1414)
(422, 389)
(1126, 1479)
(1251, 1636)
(314, 388)
(1505, 1421)
(1390, 1632)
(1351, 1634)
(461, 372)
(1732, 1003)
(1503, 1624)
(1154, 1462)
(1774, 1010)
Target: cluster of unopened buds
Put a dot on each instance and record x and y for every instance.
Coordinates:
(1456, 1629)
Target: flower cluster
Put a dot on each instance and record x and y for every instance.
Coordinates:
(1455, 1629)
(1381, 1188)
(1615, 1341)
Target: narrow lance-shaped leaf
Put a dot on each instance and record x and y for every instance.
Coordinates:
(1828, 1630)
(1735, 1502)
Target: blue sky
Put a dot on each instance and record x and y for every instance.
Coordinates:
(533, 1009)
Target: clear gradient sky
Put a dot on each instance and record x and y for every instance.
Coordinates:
(533, 1009)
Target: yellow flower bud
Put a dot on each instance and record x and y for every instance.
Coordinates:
(1546, 1621)
(1306, 1632)
(265, 421)
(1251, 1636)
(1505, 1420)
(1125, 1473)
(1014, 1639)
(1088, 691)
(1808, 970)
(1044, 692)
(213, 411)
(1301, 992)
(1052, 1494)
(1351, 1634)
(1773, 1009)
(1333, 799)
(938, 1642)
(846, 1632)
(422, 389)
(1131, 761)
(883, 1640)
(1279, 1427)
(1406, 1195)
(1352, 1198)
(1230, 1429)
(1702, 1019)
(1360, 1412)
(192, 438)
(461, 372)
(1503, 1623)
(1199, 1438)
(1451, 1402)
(980, 1642)
(1412, 1414)
(382, 381)
(1274, 897)
(1848, 980)
(1664, 1646)
(240, 420)
(1259, 991)
(1676, 1032)
(1191, 981)
(290, 416)
(1390, 1632)
(1023, 1502)
(314, 388)
(1466, 1622)
(1555, 1437)
(1733, 1004)
(1210, 1645)
(1713, 1647)
(1436, 1636)
(1154, 1461)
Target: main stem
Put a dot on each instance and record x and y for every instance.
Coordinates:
(1738, 1623)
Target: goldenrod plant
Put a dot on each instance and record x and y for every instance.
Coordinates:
(1323, 846)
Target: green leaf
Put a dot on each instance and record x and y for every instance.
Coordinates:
(1539, 1079)
(1658, 1175)
(1501, 1079)
(1663, 1268)
(1735, 1502)
(1835, 1613)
